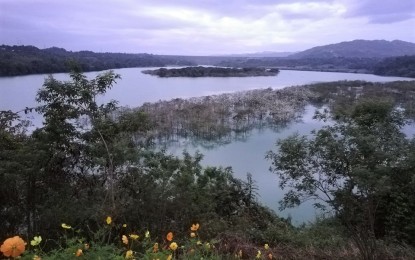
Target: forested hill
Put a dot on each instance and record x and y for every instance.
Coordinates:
(22, 60)
(386, 58)
(359, 49)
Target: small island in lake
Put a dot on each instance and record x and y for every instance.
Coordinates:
(200, 71)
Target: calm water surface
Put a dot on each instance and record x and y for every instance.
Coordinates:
(248, 156)
(136, 88)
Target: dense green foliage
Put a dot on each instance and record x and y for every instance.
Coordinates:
(212, 72)
(361, 166)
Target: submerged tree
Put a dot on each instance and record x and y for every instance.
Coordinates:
(361, 167)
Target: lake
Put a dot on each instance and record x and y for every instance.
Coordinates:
(248, 156)
(245, 156)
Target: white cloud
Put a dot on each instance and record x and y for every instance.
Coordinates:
(311, 10)
(201, 27)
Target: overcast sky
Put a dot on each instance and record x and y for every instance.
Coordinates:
(202, 27)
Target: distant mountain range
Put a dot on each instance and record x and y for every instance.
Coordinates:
(388, 58)
(359, 49)
(351, 49)
(359, 56)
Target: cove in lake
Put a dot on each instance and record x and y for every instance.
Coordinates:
(247, 155)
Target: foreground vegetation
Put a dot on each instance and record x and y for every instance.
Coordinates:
(71, 185)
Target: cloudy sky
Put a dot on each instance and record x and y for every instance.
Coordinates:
(202, 27)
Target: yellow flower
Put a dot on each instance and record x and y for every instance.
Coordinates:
(199, 242)
(124, 239)
(13, 247)
(79, 252)
(173, 246)
(36, 241)
(129, 254)
(169, 236)
(147, 235)
(65, 226)
(86, 246)
(258, 255)
(207, 245)
(134, 236)
(124, 225)
(156, 248)
(270, 256)
(109, 220)
(36, 257)
(194, 227)
(192, 234)
(266, 246)
(169, 257)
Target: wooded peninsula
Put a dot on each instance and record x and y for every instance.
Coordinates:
(201, 71)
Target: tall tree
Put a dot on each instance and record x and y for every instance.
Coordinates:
(358, 166)
(14, 173)
(67, 172)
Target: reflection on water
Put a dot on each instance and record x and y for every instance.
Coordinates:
(218, 120)
(248, 156)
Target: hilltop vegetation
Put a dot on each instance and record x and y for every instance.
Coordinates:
(359, 49)
(359, 56)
